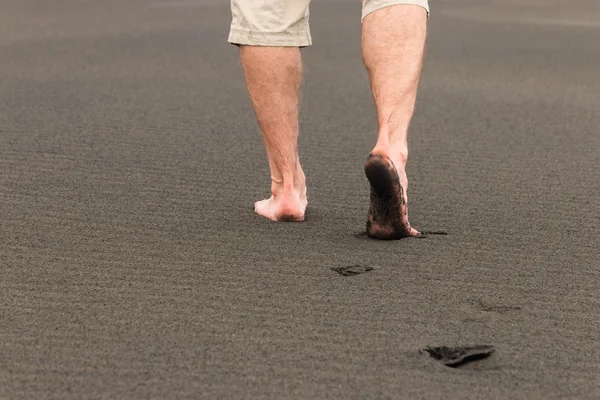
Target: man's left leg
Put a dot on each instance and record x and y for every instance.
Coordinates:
(269, 33)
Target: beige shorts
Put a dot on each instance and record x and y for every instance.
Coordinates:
(285, 22)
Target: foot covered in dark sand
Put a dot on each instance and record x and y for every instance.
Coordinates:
(388, 213)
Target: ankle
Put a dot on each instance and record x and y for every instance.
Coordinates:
(299, 178)
(295, 180)
(401, 156)
(398, 154)
(397, 148)
(281, 186)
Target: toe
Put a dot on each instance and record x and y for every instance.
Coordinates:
(414, 232)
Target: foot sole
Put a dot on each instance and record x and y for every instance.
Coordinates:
(387, 218)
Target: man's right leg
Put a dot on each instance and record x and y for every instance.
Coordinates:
(270, 33)
(393, 42)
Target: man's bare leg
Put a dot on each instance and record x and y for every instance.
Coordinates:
(393, 42)
(273, 76)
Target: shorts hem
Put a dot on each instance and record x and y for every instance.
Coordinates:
(378, 5)
(247, 37)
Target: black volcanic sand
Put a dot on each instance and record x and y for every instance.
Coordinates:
(132, 266)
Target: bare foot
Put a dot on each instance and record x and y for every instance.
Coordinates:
(388, 213)
(288, 206)
(287, 202)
